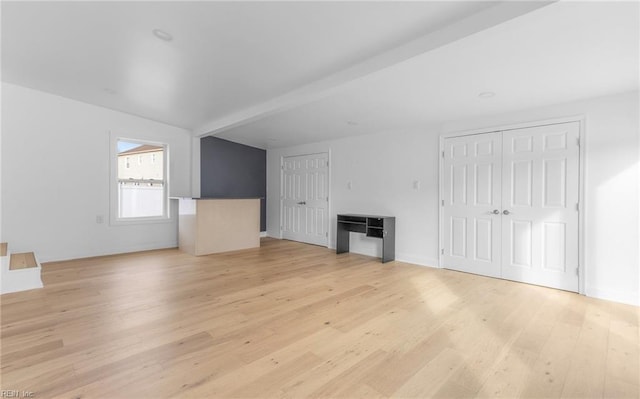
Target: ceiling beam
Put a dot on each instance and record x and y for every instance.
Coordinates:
(324, 87)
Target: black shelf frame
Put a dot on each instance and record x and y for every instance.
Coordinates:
(382, 227)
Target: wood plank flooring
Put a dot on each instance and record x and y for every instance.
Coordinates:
(23, 260)
(290, 320)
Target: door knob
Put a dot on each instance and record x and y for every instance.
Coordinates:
(302, 203)
(506, 212)
(496, 212)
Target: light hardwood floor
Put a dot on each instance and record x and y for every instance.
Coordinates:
(296, 321)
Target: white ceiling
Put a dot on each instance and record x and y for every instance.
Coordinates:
(559, 53)
(273, 74)
(225, 56)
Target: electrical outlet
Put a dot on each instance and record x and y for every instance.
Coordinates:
(99, 219)
(349, 185)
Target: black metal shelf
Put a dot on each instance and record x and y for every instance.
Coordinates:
(382, 227)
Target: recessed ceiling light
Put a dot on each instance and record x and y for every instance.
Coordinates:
(486, 94)
(162, 35)
(352, 123)
(109, 90)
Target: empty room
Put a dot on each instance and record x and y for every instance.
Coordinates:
(320, 199)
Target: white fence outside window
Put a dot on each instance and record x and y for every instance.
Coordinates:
(140, 199)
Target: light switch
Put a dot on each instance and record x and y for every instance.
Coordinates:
(416, 184)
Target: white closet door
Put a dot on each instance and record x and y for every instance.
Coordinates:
(305, 198)
(472, 173)
(539, 200)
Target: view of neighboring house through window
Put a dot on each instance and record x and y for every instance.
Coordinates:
(141, 185)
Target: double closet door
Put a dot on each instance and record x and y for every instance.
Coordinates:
(510, 205)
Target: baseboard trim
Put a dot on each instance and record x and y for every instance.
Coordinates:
(417, 260)
(614, 296)
(111, 251)
(406, 258)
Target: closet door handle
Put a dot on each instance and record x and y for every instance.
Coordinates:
(302, 203)
(505, 212)
(496, 212)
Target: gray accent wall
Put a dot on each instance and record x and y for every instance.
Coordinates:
(232, 170)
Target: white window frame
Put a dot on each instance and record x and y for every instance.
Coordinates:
(114, 213)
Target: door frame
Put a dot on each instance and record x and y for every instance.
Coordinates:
(580, 119)
(328, 218)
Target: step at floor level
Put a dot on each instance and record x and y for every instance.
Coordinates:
(22, 261)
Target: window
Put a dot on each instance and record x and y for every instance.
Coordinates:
(141, 187)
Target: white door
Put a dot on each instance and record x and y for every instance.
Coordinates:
(527, 229)
(472, 178)
(304, 198)
(540, 205)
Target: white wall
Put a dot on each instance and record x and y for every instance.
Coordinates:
(55, 176)
(382, 169)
